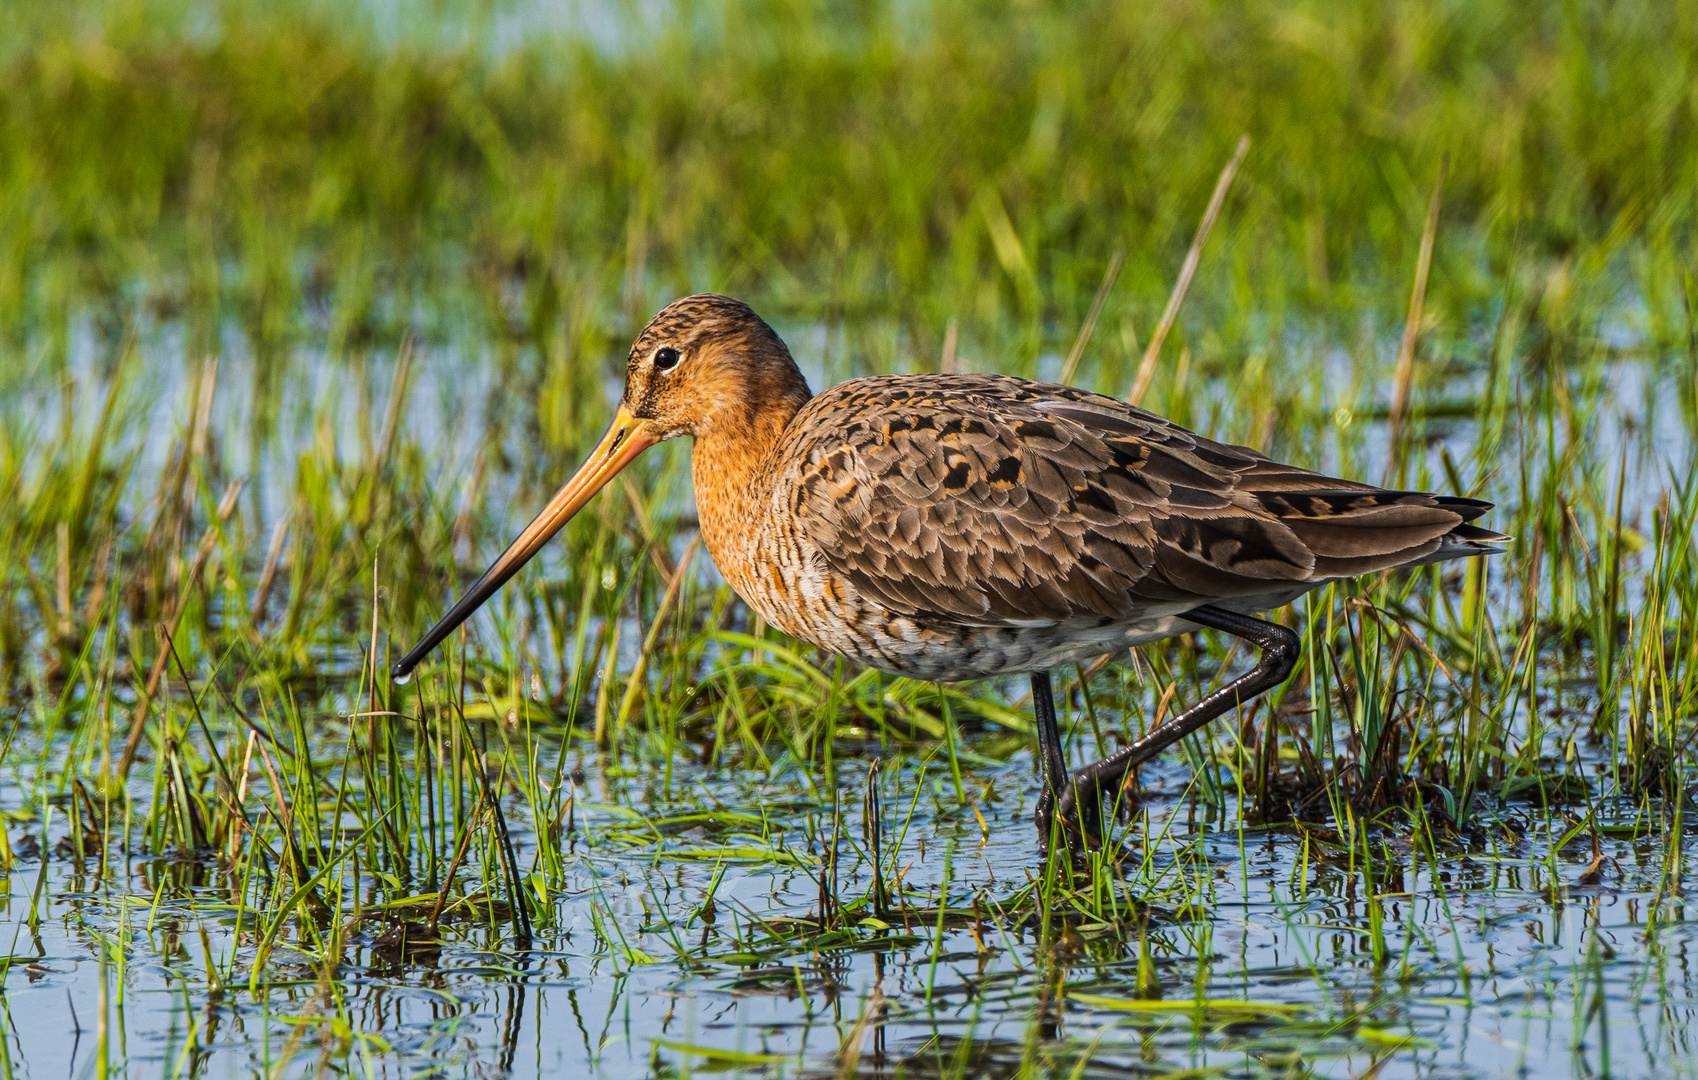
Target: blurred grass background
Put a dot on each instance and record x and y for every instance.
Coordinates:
(228, 161)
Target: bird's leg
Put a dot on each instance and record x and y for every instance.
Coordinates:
(1049, 752)
(1083, 795)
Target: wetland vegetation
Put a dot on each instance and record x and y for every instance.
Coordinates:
(304, 311)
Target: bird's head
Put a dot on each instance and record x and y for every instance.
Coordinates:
(704, 365)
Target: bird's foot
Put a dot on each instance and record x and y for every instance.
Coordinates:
(1076, 818)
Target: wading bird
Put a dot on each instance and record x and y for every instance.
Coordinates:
(963, 526)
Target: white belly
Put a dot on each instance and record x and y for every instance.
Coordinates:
(954, 652)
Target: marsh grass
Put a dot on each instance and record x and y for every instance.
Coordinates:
(286, 379)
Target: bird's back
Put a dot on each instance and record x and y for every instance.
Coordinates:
(950, 526)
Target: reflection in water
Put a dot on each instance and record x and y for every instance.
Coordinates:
(1481, 961)
(1546, 933)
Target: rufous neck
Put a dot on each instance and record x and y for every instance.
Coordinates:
(734, 464)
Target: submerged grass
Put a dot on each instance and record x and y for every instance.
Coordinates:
(285, 377)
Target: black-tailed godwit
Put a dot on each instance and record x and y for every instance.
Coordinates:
(963, 526)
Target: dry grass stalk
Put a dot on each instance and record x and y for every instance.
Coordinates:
(1147, 367)
(63, 578)
(872, 1015)
(1404, 377)
(96, 595)
(1090, 327)
(391, 421)
(268, 576)
(145, 705)
(672, 586)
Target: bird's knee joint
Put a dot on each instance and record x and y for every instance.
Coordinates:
(1282, 649)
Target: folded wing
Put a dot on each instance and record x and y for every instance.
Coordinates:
(999, 501)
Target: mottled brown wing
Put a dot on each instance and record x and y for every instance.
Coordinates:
(985, 499)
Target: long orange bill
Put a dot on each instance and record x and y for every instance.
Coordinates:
(626, 437)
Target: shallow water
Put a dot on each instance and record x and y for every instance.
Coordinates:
(1340, 949)
(1501, 960)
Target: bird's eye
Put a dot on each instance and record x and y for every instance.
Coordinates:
(665, 358)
